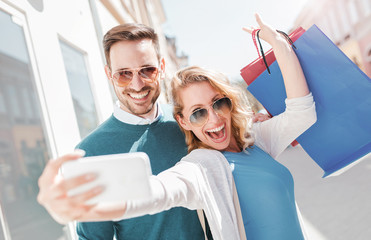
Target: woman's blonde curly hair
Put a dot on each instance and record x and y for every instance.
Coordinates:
(241, 112)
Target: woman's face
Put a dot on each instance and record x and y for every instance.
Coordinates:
(215, 129)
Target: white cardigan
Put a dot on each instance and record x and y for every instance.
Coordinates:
(203, 179)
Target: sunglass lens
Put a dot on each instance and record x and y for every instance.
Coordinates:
(198, 117)
(123, 77)
(148, 73)
(223, 105)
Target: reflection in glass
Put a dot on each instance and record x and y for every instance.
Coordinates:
(23, 147)
(82, 96)
(1, 234)
(2, 104)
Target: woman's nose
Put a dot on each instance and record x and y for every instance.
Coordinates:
(213, 116)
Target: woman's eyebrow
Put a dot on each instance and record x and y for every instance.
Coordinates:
(216, 97)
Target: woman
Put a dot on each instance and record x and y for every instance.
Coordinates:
(216, 122)
(212, 116)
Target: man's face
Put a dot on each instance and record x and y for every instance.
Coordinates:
(139, 96)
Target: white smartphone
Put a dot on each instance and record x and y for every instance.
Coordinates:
(123, 176)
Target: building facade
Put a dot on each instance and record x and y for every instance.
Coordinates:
(346, 22)
(53, 92)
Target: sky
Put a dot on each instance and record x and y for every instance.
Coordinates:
(210, 31)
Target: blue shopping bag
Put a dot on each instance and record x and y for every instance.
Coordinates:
(342, 92)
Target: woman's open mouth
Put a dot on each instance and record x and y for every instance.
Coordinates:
(217, 134)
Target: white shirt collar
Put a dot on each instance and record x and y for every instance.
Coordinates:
(130, 118)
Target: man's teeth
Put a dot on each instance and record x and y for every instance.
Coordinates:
(216, 129)
(139, 95)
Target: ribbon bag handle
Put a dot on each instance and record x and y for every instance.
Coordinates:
(255, 35)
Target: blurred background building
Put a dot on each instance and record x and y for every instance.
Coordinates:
(53, 92)
(346, 22)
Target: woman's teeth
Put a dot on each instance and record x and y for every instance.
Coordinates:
(216, 133)
(215, 129)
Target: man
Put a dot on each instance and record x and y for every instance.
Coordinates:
(138, 123)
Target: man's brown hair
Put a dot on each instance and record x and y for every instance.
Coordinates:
(129, 32)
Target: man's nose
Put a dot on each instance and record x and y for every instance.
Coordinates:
(136, 83)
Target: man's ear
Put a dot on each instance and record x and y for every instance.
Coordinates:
(162, 68)
(108, 73)
(182, 123)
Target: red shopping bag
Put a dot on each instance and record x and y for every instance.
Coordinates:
(257, 67)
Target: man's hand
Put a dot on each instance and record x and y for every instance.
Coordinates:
(63, 208)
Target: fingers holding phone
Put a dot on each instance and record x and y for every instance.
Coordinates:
(53, 193)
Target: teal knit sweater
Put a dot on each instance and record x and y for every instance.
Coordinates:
(164, 144)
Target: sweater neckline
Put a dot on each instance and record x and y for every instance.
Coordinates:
(137, 126)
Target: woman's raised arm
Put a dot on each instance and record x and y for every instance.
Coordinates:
(294, 79)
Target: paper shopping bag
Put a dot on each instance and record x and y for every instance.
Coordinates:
(342, 92)
(257, 67)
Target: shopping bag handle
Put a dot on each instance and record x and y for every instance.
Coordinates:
(255, 34)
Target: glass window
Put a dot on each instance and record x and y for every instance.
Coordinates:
(27, 103)
(23, 145)
(4, 229)
(4, 120)
(2, 103)
(14, 101)
(1, 234)
(82, 96)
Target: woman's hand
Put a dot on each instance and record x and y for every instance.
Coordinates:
(294, 79)
(267, 33)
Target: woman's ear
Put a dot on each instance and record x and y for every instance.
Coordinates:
(182, 123)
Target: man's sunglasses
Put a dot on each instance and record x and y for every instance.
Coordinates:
(221, 106)
(124, 77)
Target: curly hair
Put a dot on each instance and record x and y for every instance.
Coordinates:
(241, 111)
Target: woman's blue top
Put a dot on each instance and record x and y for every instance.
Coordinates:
(266, 193)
